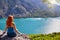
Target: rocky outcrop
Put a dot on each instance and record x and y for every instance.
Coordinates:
(18, 37)
(25, 8)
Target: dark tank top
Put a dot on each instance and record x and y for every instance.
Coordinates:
(10, 30)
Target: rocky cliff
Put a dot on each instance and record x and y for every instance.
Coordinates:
(25, 8)
(18, 37)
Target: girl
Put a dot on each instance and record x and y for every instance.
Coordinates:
(10, 27)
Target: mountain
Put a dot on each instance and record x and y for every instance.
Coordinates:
(25, 8)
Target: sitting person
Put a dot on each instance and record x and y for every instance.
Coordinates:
(10, 27)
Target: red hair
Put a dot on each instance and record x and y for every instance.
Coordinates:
(9, 20)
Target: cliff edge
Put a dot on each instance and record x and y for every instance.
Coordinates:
(18, 37)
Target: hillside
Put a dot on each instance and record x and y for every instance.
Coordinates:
(53, 36)
(25, 8)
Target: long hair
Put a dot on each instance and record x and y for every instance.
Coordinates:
(9, 20)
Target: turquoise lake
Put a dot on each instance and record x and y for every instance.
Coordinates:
(34, 25)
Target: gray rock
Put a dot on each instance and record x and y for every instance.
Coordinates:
(18, 37)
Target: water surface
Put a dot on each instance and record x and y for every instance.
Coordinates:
(34, 25)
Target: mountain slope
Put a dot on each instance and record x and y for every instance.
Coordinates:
(25, 8)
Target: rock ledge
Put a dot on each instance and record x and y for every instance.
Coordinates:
(18, 37)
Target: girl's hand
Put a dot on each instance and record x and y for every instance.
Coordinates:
(4, 32)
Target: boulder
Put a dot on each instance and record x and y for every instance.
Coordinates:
(18, 37)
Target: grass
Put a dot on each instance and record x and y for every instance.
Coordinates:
(52, 36)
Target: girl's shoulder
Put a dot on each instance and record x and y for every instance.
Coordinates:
(13, 23)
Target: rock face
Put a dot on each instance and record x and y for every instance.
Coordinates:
(18, 37)
(18, 8)
(25, 8)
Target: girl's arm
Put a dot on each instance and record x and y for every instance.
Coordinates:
(15, 28)
(5, 28)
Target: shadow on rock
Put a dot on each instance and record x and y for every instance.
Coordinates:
(6, 38)
(3, 36)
